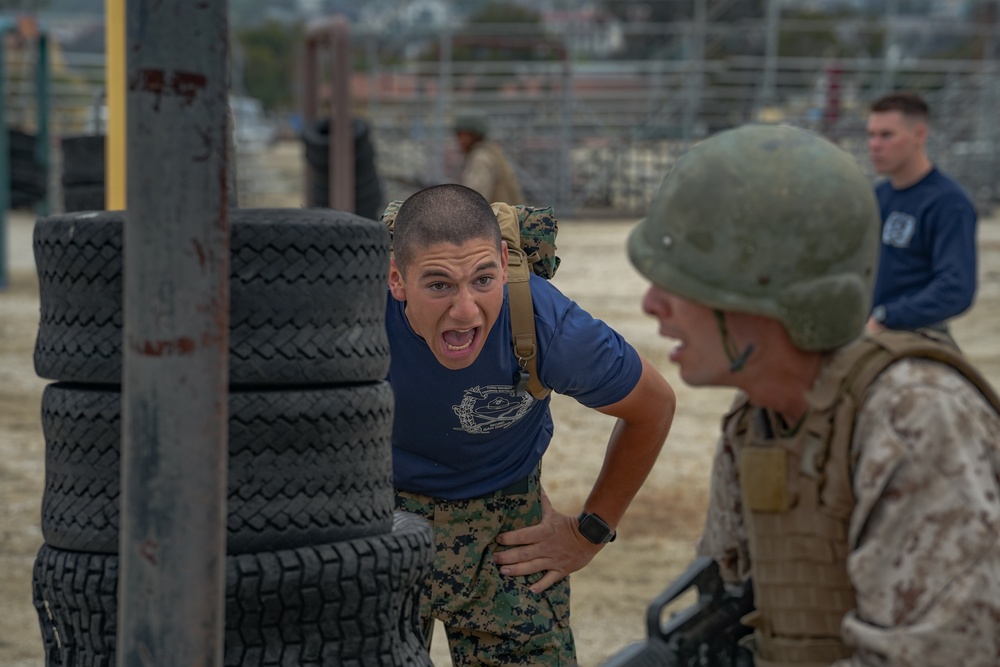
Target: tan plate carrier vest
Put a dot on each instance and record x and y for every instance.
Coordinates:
(797, 501)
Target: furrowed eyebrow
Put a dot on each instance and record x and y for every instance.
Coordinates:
(437, 273)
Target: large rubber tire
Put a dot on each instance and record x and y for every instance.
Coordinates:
(308, 466)
(27, 177)
(347, 603)
(78, 198)
(21, 144)
(307, 297)
(83, 160)
(368, 199)
(368, 196)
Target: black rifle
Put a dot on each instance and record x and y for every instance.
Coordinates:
(706, 634)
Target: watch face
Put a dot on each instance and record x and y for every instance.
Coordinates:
(593, 528)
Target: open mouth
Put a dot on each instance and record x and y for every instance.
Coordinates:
(459, 340)
(676, 350)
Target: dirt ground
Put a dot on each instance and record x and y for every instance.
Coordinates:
(609, 596)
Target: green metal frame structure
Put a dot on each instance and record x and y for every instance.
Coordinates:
(42, 141)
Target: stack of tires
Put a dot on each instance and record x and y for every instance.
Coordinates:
(368, 199)
(83, 173)
(319, 570)
(27, 177)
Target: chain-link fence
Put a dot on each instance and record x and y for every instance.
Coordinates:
(588, 124)
(591, 131)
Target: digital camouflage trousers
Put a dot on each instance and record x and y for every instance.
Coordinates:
(490, 619)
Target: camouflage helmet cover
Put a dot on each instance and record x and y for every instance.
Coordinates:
(471, 120)
(770, 220)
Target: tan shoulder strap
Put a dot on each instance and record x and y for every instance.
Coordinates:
(849, 375)
(899, 344)
(522, 311)
(857, 365)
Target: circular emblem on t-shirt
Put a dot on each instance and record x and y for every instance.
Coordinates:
(490, 408)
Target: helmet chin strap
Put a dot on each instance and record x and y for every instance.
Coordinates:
(737, 360)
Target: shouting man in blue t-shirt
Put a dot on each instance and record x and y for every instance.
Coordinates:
(467, 444)
(927, 266)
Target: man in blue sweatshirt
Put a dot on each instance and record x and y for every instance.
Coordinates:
(927, 265)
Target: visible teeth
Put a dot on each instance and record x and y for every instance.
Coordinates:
(458, 348)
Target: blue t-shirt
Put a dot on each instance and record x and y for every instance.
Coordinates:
(464, 433)
(927, 265)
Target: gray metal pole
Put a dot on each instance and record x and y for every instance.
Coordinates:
(5, 178)
(176, 313)
(309, 101)
(695, 80)
(341, 146)
(374, 74)
(441, 132)
(992, 95)
(564, 195)
(42, 109)
(891, 54)
(766, 94)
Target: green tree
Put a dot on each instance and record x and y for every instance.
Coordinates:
(501, 12)
(268, 62)
(500, 32)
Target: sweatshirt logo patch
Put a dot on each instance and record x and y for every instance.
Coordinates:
(898, 229)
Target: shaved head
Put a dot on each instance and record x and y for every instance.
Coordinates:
(449, 213)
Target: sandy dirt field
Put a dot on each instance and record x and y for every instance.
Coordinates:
(610, 595)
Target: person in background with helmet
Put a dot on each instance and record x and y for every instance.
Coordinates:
(856, 481)
(927, 269)
(485, 169)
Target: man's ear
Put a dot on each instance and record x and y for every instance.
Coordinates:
(396, 284)
(503, 260)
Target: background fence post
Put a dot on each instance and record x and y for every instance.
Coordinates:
(42, 152)
(5, 174)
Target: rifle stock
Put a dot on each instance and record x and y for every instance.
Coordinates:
(706, 634)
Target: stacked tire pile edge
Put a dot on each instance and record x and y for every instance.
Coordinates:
(27, 177)
(319, 570)
(83, 172)
(368, 198)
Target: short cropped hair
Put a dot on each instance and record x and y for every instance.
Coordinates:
(448, 213)
(909, 104)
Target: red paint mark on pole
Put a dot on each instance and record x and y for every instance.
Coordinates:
(148, 551)
(164, 348)
(200, 251)
(150, 81)
(187, 85)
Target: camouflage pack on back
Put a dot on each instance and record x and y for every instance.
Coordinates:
(538, 235)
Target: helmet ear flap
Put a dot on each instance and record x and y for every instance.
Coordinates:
(823, 313)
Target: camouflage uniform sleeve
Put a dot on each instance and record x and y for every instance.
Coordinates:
(724, 536)
(925, 553)
(480, 173)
